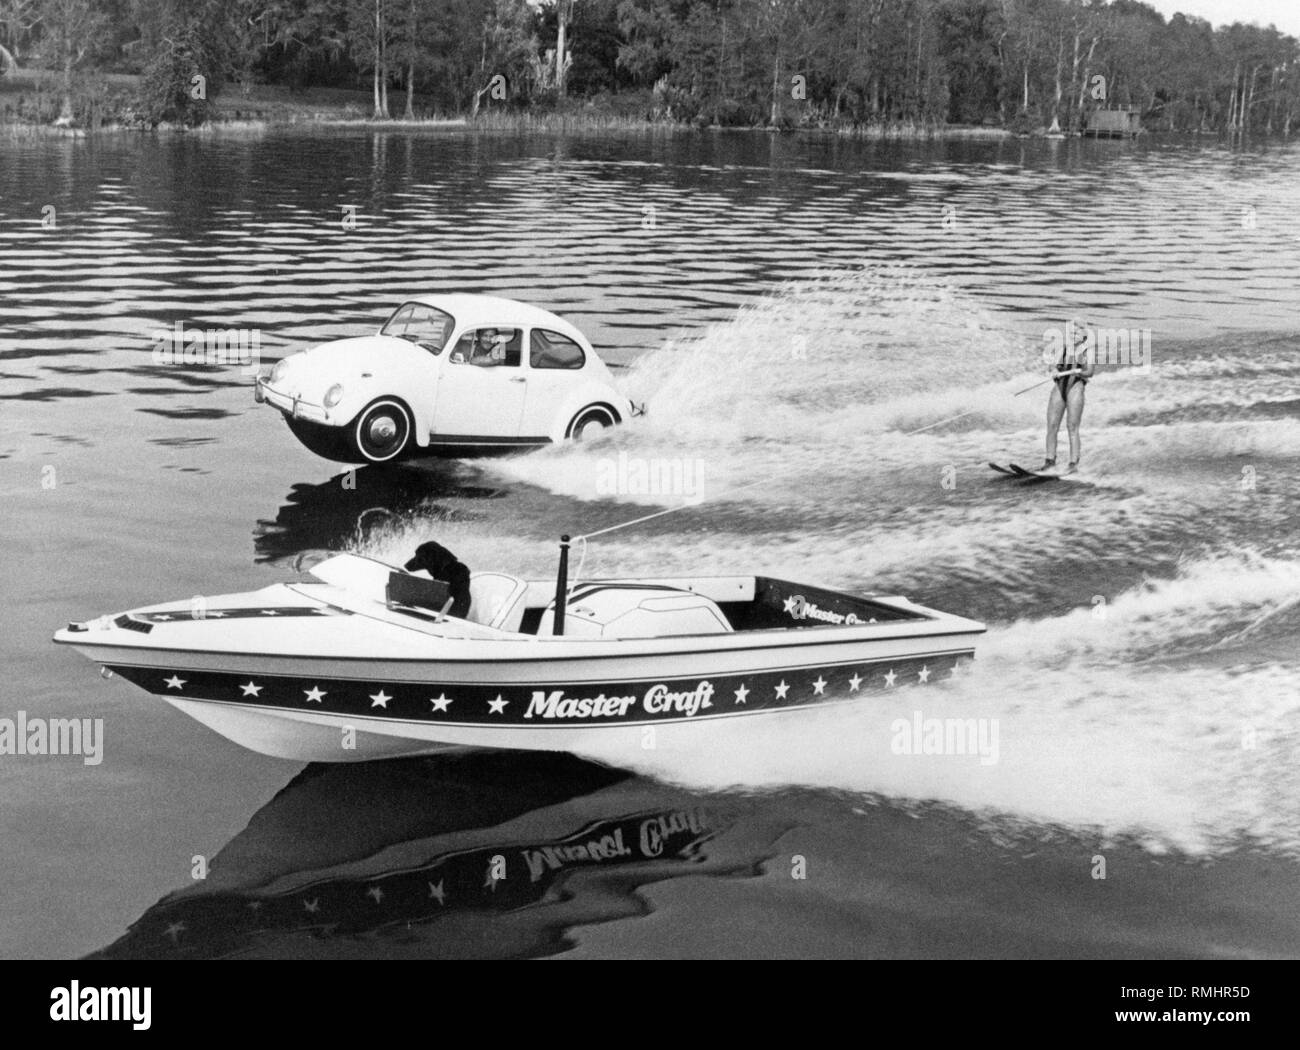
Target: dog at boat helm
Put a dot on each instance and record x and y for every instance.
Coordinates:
(441, 564)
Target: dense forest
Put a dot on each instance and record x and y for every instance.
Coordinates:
(788, 63)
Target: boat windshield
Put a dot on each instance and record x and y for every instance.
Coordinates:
(425, 326)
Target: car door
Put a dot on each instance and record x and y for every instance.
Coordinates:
(482, 386)
(554, 365)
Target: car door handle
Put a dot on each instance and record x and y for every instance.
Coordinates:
(519, 379)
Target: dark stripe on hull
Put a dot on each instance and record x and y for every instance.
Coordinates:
(550, 704)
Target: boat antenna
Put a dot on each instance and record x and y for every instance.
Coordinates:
(561, 588)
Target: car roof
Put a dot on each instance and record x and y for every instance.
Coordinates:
(476, 311)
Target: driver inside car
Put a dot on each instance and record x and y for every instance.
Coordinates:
(489, 348)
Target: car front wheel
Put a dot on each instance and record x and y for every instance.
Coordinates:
(382, 432)
(327, 442)
(591, 422)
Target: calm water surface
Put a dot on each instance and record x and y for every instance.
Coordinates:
(794, 309)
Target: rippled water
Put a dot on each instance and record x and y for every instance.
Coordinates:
(796, 310)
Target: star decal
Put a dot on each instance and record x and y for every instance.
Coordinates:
(376, 893)
(854, 682)
(819, 686)
(923, 673)
(741, 693)
(217, 615)
(268, 612)
(251, 689)
(440, 702)
(889, 678)
(436, 892)
(380, 699)
(312, 906)
(790, 604)
(174, 682)
(956, 668)
(162, 616)
(781, 690)
(314, 694)
(174, 931)
(497, 706)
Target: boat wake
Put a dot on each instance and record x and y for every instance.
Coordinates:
(1136, 726)
(1140, 666)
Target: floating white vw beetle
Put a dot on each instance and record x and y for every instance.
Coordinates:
(448, 375)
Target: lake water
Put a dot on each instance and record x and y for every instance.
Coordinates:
(798, 311)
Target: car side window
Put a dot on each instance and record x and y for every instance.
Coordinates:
(552, 350)
(489, 348)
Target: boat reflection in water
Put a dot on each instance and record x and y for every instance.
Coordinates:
(480, 854)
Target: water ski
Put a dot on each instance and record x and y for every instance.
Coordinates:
(1014, 470)
(1039, 474)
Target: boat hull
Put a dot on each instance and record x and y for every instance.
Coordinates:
(316, 715)
(336, 672)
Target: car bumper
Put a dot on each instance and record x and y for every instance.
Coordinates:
(292, 406)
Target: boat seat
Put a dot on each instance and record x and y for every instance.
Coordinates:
(496, 599)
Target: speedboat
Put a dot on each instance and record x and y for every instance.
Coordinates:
(363, 661)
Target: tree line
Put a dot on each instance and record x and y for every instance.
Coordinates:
(831, 63)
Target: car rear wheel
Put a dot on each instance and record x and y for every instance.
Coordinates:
(382, 431)
(591, 422)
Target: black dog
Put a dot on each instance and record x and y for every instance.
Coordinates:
(441, 564)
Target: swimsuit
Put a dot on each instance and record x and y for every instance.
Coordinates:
(1064, 383)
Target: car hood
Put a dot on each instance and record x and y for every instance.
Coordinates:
(313, 371)
(350, 357)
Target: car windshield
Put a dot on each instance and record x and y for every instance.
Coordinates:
(426, 326)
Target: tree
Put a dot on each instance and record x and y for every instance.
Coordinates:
(508, 49)
(557, 64)
(1186, 69)
(778, 30)
(191, 49)
(369, 28)
(709, 61)
(302, 40)
(646, 30)
(17, 20)
(968, 36)
(72, 29)
(410, 50)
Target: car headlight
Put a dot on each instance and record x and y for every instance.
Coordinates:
(277, 373)
(334, 395)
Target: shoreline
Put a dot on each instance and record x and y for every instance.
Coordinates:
(523, 123)
(551, 123)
